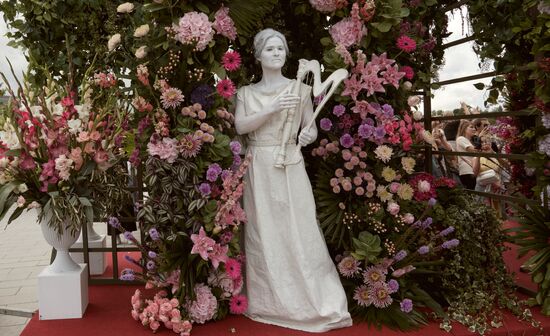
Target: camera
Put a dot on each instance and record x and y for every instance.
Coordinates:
(476, 141)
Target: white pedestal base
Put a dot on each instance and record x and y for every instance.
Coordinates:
(63, 295)
(98, 260)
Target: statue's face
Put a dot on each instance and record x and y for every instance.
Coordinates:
(273, 55)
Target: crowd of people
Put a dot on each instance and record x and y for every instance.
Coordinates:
(486, 174)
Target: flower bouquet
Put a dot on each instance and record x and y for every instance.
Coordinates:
(58, 149)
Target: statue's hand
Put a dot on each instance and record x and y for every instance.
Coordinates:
(283, 102)
(307, 136)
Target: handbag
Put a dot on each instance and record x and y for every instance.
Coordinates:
(487, 177)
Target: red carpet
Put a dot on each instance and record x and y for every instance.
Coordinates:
(108, 313)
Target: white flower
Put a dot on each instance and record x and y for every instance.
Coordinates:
(36, 112)
(75, 126)
(22, 188)
(5, 178)
(83, 111)
(9, 137)
(63, 165)
(141, 52)
(15, 162)
(58, 110)
(407, 85)
(428, 137)
(34, 205)
(383, 153)
(114, 41)
(408, 164)
(141, 30)
(413, 100)
(21, 201)
(388, 174)
(126, 7)
(408, 218)
(424, 186)
(4, 162)
(393, 208)
(417, 115)
(383, 193)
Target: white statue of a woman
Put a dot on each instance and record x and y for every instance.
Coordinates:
(290, 278)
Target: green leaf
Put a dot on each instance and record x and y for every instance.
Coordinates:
(382, 27)
(479, 86)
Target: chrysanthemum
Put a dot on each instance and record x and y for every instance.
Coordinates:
(361, 295)
(349, 266)
(238, 304)
(231, 60)
(171, 98)
(380, 295)
(226, 88)
(190, 146)
(383, 153)
(374, 275)
(406, 43)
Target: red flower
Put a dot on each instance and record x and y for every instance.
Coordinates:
(406, 44)
(231, 60)
(226, 88)
(409, 72)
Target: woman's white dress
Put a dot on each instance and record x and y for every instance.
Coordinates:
(291, 280)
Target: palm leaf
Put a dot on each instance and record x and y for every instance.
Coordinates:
(247, 14)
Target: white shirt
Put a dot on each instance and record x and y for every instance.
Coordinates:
(465, 164)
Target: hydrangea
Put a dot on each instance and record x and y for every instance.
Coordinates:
(327, 6)
(347, 32)
(194, 27)
(167, 149)
(544, 145)
(224, 25)
(205, 305)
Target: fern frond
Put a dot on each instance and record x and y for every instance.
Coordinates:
(247, 14)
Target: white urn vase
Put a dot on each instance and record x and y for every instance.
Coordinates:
(61, 243)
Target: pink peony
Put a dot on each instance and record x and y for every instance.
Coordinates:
(238, 304)
(194, 27)
(226, 88)
(231, 60)
(167, 149)
(205, 305)
(224, 25)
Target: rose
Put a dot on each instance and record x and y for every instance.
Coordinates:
(141, 30)
(413, 100)
(393, 208)
(113, 42)
(417, 115)
(141, 52)
(126, 7)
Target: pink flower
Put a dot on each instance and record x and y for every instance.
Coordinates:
(349, 266)
(392, 76)
(380, 295)
(218, 254)
(238, 304)
(171, 98)
(374, 274)
(205, 305)
(143, 74)
(406, 43)
(327, 6)
(202, 244)
(409, 72)
(27, 162)
(190, 146)
(381, 61)
(233, 268)
(102, 159)
(231, 60)
(194, 27)
(347, 32)
(352, 87)
(223, 24)
(226, 88)
(361, 295)
(393, 208)
(167, 149)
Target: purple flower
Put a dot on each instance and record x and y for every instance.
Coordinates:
(379, 132)
(236, 160)
(129, 236)
(388, 110)
(445, 232)
(325, 124)
(226, 237)
(400, 255)
(546, 120)
(365, 131)
(426, 223)
(214, 170)
(134, 157)
(393, 285)
(339, 110)
(202, 94)
(225, 173)
(153, 233)
(127, 274)
(369, 121)
(450, 243)
(205, 189)
(132, 260)
(151, 265)
(431, 202)
(346, 140)
(423, 249)
(406, 305)
(114, 222)
(152, 254)
(235, 147)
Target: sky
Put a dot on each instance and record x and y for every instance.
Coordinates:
(459, 61)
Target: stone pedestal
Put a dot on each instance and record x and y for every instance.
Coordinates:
(62, 295)
(98, 260)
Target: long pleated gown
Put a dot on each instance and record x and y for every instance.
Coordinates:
(290, 278)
